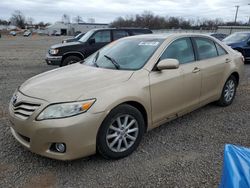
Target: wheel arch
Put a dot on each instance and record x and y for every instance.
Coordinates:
(73, 53)
(141, 108)
(236, 75)
(136, 105)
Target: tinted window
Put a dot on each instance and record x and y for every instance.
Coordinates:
(86, 36)
(101, 36)
(117, 34)
(180, 49)
(206, 48)
(140, 31)
(220, 50)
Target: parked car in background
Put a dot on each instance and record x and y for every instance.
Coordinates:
(76, 38)
(106, 103)
(219, 36)
(56, 33)
(240, 41)
(93, 40)
(27, 33)
(13, 33)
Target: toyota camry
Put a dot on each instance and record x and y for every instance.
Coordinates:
(107, 102)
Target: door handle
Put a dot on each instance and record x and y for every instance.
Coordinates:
(196, 69)
(227, 60)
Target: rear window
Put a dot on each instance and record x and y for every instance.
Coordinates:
(237, 37)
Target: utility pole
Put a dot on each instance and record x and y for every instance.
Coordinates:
(249, 16)
(236, 14)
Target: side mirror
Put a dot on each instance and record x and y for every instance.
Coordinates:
(248, 42)
(168, 64)
(92, 41)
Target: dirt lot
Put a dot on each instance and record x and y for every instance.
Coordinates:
(187, 152)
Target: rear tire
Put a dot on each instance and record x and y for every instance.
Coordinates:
(70, 60)
(120, 132)
(228, 92)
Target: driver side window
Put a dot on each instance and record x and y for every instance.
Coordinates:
(102, 37)
(181, 49)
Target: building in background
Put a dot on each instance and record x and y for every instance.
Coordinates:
(72, 28)
(232, 29)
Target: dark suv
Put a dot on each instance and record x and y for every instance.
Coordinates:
(93, 40)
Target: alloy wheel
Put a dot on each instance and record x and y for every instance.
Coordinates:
(229, 90)
(122, 133)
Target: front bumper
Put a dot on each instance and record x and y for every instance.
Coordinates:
(78, 133)
(53, 60)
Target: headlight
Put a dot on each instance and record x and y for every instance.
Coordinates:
(64, 41)
(63, 110)
(53, 51)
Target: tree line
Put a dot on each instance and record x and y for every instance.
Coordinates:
(18, 19)
(145, 20)
(149, 20)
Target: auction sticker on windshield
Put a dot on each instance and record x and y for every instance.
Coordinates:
(148, 43)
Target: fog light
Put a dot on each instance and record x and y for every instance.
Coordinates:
(60, 147)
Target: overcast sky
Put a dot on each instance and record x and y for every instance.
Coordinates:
(105, 11)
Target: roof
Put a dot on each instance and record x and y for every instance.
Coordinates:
(167, 35)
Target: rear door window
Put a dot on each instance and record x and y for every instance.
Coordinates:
(117, 34)
(206, 48)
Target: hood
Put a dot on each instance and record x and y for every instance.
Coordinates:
(73, 82)
(232, 44)
(60, 45)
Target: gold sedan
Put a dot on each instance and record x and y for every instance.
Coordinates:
(106, 103)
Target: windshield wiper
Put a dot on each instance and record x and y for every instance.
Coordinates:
(113, 61)
(95, 59)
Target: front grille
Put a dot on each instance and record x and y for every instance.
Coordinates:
(24, 110)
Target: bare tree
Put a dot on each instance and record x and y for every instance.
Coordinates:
(78, 19)
(65, 19)
(151, 21)
(18, 19)
(30, 21)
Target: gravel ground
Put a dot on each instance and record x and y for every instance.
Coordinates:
(187, 152)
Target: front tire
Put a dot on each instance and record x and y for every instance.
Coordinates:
(70, 60)
(120, 132)
(228, 92)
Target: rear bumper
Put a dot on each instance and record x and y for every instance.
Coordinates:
(53, 60)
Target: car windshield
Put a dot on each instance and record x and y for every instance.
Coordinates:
(127, 54)
(85, 37)
(237, 37)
